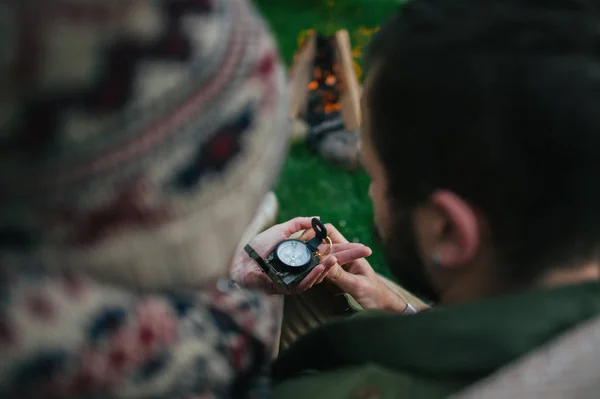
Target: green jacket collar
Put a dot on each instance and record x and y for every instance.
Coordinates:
(461, 342)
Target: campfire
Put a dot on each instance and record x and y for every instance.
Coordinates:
(325, 94)
(325, 88)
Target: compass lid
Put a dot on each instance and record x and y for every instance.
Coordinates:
(320, 234)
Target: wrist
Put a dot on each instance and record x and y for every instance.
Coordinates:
(393, 303)
(241, 261)
(390, 301)
(380, 298)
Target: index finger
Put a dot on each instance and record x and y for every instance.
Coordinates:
(335, 234)
(311, 279)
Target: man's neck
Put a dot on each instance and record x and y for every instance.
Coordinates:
(477, 286)
(571, 275)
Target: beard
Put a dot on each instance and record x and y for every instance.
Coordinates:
(401, 252)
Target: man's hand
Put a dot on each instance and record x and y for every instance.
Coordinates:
(356, 277)
(248, 274)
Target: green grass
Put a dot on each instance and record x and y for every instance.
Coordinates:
(309, 186)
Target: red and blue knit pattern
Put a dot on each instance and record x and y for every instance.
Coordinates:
(68, 337)
(135, 122)
(142, 136)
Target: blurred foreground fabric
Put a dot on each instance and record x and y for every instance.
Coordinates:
(137, 140)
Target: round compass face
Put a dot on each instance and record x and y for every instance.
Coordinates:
(293, 253)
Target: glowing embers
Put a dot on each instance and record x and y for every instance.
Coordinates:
(326, 86)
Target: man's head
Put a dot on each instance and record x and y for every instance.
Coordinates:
(481, 136)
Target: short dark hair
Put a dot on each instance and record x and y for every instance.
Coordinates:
(499, 102)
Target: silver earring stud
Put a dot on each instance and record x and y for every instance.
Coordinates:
(437, 259)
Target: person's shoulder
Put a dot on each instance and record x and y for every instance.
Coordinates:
(362, 382)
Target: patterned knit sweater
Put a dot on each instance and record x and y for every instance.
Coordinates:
(65, 336)
(137, 139)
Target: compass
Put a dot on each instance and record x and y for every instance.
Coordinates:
(292, 259)
(294, 255)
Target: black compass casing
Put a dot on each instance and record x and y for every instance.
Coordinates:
(292, 260)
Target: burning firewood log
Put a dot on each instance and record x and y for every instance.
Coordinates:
(300, 76)
(324, 93)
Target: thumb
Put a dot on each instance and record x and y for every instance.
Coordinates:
(347, 282)
(297, 224)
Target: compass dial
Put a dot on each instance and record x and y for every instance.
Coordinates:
(293, 253)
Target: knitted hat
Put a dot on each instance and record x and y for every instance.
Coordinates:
(137, 138)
